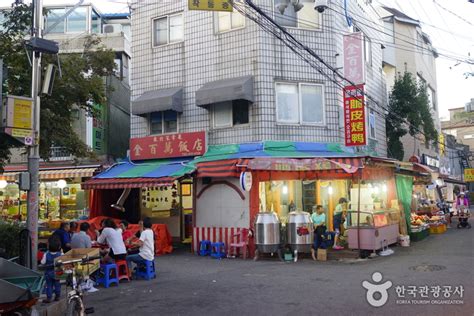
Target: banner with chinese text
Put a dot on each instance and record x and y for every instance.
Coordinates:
(354, 64)
(168, 146)
(210, 5)
(354, 116)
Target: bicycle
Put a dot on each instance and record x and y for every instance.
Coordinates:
(75, 297)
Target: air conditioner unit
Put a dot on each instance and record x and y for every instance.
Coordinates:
(112, 28)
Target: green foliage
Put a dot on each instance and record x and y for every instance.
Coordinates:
(408, 103)
(9, 237)
(81, 85)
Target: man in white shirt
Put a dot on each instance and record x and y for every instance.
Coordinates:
(146, 244)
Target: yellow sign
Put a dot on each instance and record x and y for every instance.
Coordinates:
(16, 132)
(441, 144)
(210, 5)
(22, 113)
(469, 174)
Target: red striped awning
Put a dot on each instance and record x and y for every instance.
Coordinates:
(233, 167)
(125, 183)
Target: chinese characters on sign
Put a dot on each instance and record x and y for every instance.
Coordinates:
(168, 146)
(354, 58)
(354, 116)
(210, 5)
(469, 174)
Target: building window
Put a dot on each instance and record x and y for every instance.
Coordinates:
(230, 113)
(300, 103)
(163, 122)
(431, 98)
(297, 14)
(469, 136)
(372, 125)
(227, 21)
(96, 25)
(389, 32)
(168, 29)
(75, 22)
(367, 50)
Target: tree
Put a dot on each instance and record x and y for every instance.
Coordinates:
(81, 84)
(409, 112)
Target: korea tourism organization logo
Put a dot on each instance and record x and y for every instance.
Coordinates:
(377, 293)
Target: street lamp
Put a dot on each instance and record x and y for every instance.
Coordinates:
(61, 185)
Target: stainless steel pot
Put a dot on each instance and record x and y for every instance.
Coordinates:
(300, 231)
(267, 232)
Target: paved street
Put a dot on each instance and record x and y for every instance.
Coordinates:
(191, 285)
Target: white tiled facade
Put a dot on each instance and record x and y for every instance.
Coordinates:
(205, 56)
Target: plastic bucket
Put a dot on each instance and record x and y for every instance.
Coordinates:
(404, 240)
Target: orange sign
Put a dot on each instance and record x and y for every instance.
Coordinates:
(168, 146)
(354, 116)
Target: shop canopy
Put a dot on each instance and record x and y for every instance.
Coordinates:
(54, 173)
(230, 160)
(137, 175)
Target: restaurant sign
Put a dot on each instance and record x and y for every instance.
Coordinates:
(469, 174)
(168, 146)
(288, 164)
(354, 58)
(354, 116)
(210, 5)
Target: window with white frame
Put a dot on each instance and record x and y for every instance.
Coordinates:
(300, 14)
(227, 21)
(168, 29)
(163, 122)
(230, 113)
(300, 103)
(372, 124)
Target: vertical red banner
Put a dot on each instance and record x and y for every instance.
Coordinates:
(354, 116)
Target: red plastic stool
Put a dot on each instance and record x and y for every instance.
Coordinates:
(122, 268)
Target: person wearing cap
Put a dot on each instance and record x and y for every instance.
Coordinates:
(462, 203)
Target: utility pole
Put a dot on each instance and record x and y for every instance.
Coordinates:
(33, 151)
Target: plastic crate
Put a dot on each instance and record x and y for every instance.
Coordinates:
(419, 235)
(439, 229)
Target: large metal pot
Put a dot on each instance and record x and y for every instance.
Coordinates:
(267, 232)
(300, 231)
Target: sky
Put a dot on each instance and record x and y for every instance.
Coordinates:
(449, 23)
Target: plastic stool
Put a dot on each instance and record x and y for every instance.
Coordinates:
(218, 250)
(109, 275)
(145, 270)
(205, 248)
(122, 268)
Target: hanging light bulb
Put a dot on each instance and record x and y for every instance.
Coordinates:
(284, 190)
(384, 188)
(376, 190)
(3, 184)
(61, 184)
(330, 190)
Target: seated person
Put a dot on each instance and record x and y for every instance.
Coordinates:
(81, 239)
(146, 244)
(64, 236)
(113, 238)
(126, 234)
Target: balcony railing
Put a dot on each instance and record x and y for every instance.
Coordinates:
(60, 154)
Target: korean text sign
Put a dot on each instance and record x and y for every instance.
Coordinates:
(168, 146)
(469, 174)
(354, 58)
(210, 5)
(354, 116)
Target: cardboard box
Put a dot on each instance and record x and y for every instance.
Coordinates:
(81, 270)
(322, 255)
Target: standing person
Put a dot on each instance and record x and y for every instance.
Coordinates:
(54, 251)
(337, 221)
(113, 238)
(64, 236)
(146, 244)
(81, 239)
(319, 222)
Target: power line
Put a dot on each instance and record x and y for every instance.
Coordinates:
(453, 13)
(284, 35)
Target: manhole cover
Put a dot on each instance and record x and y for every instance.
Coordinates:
(427, 268)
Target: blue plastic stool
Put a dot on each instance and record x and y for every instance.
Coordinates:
(109, 274)
(145, 270)
(205, 248)
(218, 250)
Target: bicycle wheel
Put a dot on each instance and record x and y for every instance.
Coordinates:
(75, 307)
